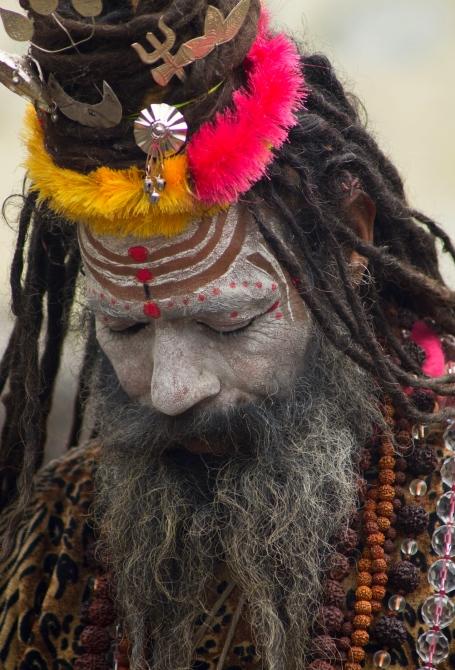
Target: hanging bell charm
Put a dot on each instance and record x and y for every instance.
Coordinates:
(160, 183)
(154, 196)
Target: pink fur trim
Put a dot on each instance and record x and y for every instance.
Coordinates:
(227, 156)
(425, 337)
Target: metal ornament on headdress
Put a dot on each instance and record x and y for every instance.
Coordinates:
(160, 131)
(104, 114)
(217, 30)
(17, 74)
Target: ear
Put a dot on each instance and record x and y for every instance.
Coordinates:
(360, 212)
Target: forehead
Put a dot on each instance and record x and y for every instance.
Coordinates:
(218, 262)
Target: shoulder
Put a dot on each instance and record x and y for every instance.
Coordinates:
(44, 576)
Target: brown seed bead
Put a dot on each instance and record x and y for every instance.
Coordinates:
(380, 579)
(378, 592)
(386, 449)
(400, 477)
(391, 534)
(370, 505)
(352, 666)
(379, 565)
(363, 593)
(366, 552)
(401, 464)
(369, 515)
(361, 621)
(385, 508)
(344, 643)
(377, 551)
(397, 504)
(364, 579)
(375, 538)
(376, 606)
(371, 527)
(360, 638)
(383, 523)
(362, 607)
(386, 477)
(356, 654)
(386, 463)
(364, 565)
(386, 492)
(389, 546)
(372, 494)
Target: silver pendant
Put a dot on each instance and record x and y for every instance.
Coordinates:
(18, 75)
(104, 114)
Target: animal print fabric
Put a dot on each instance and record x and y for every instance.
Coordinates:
(49, 576)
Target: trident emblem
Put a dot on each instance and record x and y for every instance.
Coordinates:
(217, 30)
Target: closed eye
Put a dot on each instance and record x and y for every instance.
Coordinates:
(129, 330)
(234, 330)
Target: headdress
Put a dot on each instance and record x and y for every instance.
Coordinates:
(187, 167)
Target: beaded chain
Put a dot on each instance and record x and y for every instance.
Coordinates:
(438, 610)
(344, 628)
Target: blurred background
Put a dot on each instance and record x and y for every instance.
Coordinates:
(398, 56)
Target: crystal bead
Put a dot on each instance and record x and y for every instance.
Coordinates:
(382, 659)
(448, 471)
(449, 436)
(443, 541)
(441, 575)
(438, 611)
(420, 431)
(445, 507)
(432, 646)
(418, 487)
(409, 547)
(397, 603)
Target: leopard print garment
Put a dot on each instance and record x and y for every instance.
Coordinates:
(48, 578)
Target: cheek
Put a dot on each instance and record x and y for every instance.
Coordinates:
(131, 359)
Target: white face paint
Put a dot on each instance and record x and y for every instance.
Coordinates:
(207, 318)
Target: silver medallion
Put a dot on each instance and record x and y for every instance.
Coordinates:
(160, 130)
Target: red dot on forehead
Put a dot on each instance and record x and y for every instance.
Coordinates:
(151, 309)
(144, 275)
(138, 254)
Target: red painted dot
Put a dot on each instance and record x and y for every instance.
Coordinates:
(258, 284)
(144, 275)
(170, 304)
(279, 315)
(102, 296)
(233, 284)
(274, 287)
(274, 306)
(127, 307)
(138, 254)
(245, 284)
(201, 297)
(216, 291)
(151, 309)
(234, 315)
(186, 301)
(113, 301)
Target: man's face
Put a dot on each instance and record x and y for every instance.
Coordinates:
(205, 320)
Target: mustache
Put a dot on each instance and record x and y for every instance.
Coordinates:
(239, 429)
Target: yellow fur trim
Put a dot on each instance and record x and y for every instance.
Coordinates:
(111, 202)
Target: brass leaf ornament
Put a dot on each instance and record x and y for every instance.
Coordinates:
(217, 30)
(17, 26)
(104, 114)
(44, 7)
(88, 8)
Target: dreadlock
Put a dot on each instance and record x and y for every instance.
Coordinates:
(306, 185)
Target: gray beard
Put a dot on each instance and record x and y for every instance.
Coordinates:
(267, 512)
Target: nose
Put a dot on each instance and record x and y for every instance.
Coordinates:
(181, 376)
